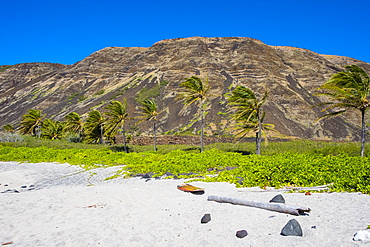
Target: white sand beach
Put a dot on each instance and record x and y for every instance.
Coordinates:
(48, 204)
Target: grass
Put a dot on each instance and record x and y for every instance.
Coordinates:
(342, 172)
(293, 146)
(292, 163)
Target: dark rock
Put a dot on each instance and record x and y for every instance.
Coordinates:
(230, 168)
(5, 185)
(147, 175)
(241, 180)
(168, 174)
(278, 199)
(292, 228)
(205, 219)
(241, 233)
(10, 191)
(23, 186)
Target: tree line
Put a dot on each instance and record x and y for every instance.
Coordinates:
(344, 90)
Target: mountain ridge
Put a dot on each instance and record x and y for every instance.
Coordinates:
(113, 73)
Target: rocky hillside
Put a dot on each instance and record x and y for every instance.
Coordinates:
(291, 75)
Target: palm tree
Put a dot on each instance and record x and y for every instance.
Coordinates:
(75, 124)
(148, 111)
(32, 122)
(117, 116)
(248, 113)
(348, 89)
(53, 129)
(94, 127)
(194, 90)
(9, 128)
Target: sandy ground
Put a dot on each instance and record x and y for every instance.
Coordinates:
(61, 205)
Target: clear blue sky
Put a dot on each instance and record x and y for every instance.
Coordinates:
(67, 31)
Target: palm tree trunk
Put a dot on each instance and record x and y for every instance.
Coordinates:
(363, 132)
(101, 134)
(124, 139)
(155, 136)
(201, 129)
(258, 135)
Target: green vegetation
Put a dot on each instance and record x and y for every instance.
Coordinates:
(149, 112)
(347, 90)
(116, 118)
(82, 98)
(4, 67)
(248, 114)
(193, 90)
(32, 122)
(292, 163)
(342, 172)
(73, 96)
(100, 92)
(151, 93)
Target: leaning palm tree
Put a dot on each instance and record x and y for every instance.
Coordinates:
(148, 111)
(117, 116)
(348, 89)
(94, 127)
(53, 129)
(75, 124)
(32, 122)
(194, 90)
(248, 114)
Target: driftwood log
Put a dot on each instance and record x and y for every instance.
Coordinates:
(282, 208)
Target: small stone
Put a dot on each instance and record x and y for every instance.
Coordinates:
(147, 175)
(313, 227)
(278, 199)
(363, 235)
(292, 228)
(23, 186)
(205, 219)
(241, 233)
(5, 185)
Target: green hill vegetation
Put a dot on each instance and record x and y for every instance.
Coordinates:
(293, 163)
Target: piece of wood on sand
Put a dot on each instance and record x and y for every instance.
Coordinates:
(190, 188)
(282, 208)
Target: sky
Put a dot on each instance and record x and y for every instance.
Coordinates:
(68, 31)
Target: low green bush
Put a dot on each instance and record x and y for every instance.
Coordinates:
(342, 172)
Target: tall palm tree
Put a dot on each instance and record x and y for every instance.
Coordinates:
(31, 122)
(194, 90)
(247, 112)
(53, 129)
(148, 111)
(117, 116)
(94, 127)
(75, 124)
(348, 89)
